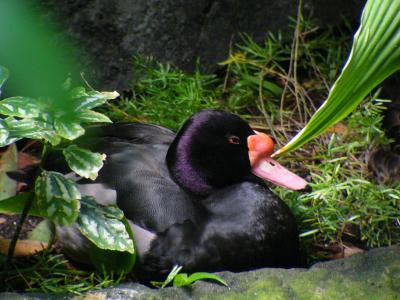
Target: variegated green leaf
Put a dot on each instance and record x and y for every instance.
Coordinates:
(90, 116)
(93, 99)
(9, 141)
(22, 107)
(68, 129)
(48, 133)
(83, 162)
(14, 130)
(47, 119)
(4, 73)
(57, 197)
(51, 136)
(4, 134)
(104, 226)
(27, 128)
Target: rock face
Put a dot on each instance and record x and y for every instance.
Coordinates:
(370, 275)
(177, 31)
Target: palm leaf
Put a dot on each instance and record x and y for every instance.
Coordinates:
(374, 56)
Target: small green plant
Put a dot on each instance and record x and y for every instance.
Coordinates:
(182, 279)
(57, 123)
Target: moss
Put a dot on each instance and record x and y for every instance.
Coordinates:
(370, 275)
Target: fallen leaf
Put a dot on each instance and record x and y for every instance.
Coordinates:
(26, 160)
(350, 250)
(339, 128)
(336, 250)
(8, 162)
(23, 247)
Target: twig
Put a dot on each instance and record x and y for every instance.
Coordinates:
(228, 67)
(295, 59)
(21, 221)
(260, 97)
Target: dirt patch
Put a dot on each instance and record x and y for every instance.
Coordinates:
(8, 224)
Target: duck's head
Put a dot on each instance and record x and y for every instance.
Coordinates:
(215, 148)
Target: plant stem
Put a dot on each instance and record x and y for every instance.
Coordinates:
(24, 215)
(13, 243)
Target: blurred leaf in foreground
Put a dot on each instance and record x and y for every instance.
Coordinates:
(37, 59)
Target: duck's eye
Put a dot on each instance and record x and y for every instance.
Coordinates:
(233, 139)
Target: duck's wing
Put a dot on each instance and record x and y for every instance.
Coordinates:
(135, 133)
(144, 189)
(107, 138)
(134, 175)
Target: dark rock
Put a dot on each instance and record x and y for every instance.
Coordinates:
(177, 31)
(370, 275)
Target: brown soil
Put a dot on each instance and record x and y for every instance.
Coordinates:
(8, 224)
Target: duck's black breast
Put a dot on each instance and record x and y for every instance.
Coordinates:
(135, 168)
(247, 227)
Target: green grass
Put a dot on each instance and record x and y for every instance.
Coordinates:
(165, 95)
(48, 272)
(345, 204)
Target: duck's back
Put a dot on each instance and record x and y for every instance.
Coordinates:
(135, 133)
(135, 169)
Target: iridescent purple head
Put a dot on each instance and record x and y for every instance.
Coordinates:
(210, 151)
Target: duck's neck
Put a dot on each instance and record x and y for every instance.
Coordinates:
(182, 170)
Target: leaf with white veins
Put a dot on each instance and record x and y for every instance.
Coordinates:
(3, 134)
(28, 128)
(83, 162)
(68, 129)
(93, 99)
(57, 197)
(90, 116)
(104, 226)
(22, 107)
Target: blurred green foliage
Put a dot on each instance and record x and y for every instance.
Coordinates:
(29, 48)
